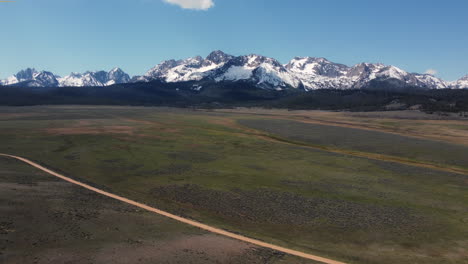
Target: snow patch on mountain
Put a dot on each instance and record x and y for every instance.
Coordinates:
(235, 73)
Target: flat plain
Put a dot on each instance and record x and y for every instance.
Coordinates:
(383, 187)
(47, 220)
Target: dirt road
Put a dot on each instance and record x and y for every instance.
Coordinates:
(178, 218)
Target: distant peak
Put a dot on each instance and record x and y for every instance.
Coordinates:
(370, 65)
(26, 74)
(170, 62)
(46, 73)
(218, 56)
(464, 78)
(310, 60)
(28, 70)
(216, 53)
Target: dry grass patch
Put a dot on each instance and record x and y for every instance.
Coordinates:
(91, 130)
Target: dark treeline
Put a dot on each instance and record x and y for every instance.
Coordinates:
(232, 94)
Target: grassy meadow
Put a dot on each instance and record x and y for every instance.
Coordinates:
(253, 173)
(46, 220)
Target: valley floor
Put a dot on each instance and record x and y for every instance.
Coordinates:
(388, 187)
(46, 220)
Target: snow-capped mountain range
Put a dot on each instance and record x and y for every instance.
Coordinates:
(32, 78)
(306, 73)
(99, 78)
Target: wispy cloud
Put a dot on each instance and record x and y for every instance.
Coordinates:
(431, 72)
(192, 4)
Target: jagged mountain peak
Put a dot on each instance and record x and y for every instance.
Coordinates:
(389, 71)
(26, 74)
(254, 60)
(193, 68)
(95, 78)
(309, 60)
(265, 72)
(218, 57)
(115, 69)
(193, 61)
(75, 74)
(117, 75)
(32, 78)
(313, 66)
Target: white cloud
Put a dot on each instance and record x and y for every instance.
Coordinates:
(192, 4)
(431, 72)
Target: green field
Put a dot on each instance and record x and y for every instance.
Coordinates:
(208, 166)
(365, 140)
(46, 220)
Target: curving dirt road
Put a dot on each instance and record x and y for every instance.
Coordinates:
(178, 218)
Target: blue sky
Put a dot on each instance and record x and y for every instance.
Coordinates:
(78, 35)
